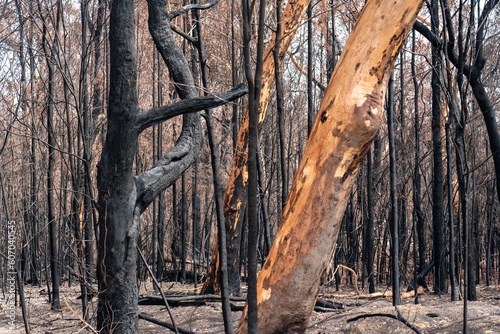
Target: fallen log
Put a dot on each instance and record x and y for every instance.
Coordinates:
(149, 318)
(188, 300)
(322, 305)
(328, 304)
(375, 295)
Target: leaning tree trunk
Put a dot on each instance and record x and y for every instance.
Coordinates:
(235, 197)
(347, 121)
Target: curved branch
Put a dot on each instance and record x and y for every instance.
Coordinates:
(189, 7)
(427, 33)
(157, 115)
(399, 317)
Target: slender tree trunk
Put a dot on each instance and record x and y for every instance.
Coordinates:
(51, 144)
(214, 154)
(310, 61)
(279, 107)
(451, 219)
(221, 227)
(183, 214)
(196, 225)
(341, 136)
(370, 222)
(490, 249)
(254, 80)
(440, 285)
(417, 210)
(394, 221)
(235, 196)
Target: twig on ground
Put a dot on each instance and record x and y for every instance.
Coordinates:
(149, 318)
(87, 325)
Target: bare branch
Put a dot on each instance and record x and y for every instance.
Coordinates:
(157, 115)
(189, 7)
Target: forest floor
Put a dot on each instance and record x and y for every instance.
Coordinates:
(434, 314)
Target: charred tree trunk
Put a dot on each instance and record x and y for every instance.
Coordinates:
(370, 222)
(279, 107)
(123, 197)
(394, 221)
(51, 146)
(347, 122)
(254, 80)
(439, 246)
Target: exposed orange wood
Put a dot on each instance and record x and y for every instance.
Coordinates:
(347, 121)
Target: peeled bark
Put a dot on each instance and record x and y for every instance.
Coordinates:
(347, 122)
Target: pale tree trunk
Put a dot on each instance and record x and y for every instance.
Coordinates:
(235, 197)
(348, 119)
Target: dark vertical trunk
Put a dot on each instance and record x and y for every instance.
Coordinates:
(369, 226)
(254, 87)
(85, 237)
(394, 221)
(175, 222)
(235, 115)
(51, 145)
(160, 228)
(439, 246)
(473, 244)
(310, 61)
(490, 248)
(451, 225)
(196, 224)
(214, 154)
(207, 228)
(32, 223)
(119, 218)
(280, 107)
(266, 232)
(183, 215)
(221, 226)
(350, 226)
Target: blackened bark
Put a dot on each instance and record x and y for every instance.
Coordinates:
(122, 197)
(195, 202)
(490, 248)
(254, 84)
(279, 107)
(473, 252)
(369, 227)
(221, 226)
(417, 210)
(394, 221)
(183, 217)
(472, 72)
(235, 116)
(51, 144)
(119, 219)
(451, 225)
(214, 152)
(437, 185)
(310, 60)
